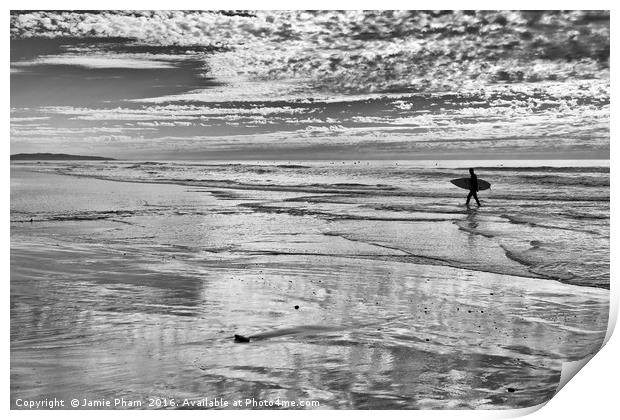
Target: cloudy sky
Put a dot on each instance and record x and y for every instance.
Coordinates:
(304, 85)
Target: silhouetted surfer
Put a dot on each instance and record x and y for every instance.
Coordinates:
(473, 187)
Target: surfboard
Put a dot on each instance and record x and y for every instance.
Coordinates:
(464, 183)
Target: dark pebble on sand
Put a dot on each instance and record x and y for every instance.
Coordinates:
(511, 390)
(296, 306)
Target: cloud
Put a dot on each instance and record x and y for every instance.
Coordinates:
(405, 80)
(27, 119)
(360, 51)
(99, 62)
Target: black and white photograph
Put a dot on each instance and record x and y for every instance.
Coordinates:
(306, 209)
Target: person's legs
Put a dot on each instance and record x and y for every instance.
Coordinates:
(476, 197)
(469, 197)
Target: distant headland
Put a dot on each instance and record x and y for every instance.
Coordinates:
(54, 156)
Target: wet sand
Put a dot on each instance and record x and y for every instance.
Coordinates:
(145, 305)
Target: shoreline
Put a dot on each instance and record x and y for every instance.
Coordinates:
(497, 320)
(344, 313)
(216, 186)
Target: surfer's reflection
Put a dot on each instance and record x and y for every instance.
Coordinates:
(473, 187)
(471, 226)
(471, 219)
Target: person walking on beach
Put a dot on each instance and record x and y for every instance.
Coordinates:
(473, 187)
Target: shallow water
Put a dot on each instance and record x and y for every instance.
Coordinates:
(552, 220)
(406, 299)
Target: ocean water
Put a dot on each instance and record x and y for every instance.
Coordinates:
(550, 218)
(361, 284)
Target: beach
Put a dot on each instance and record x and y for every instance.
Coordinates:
(361, 284)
